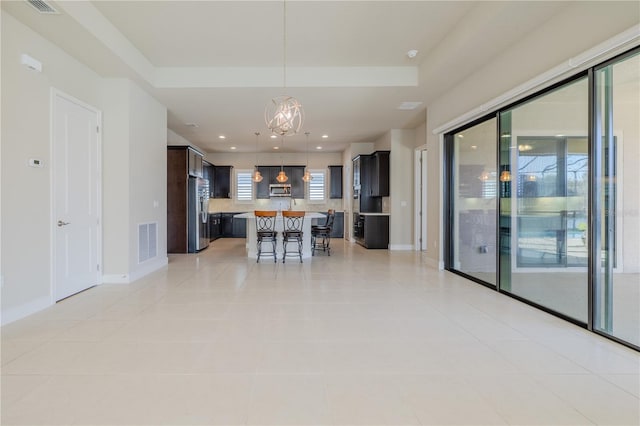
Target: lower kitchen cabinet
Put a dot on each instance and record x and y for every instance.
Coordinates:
(371, 231)
(215, 223)
(231, 227)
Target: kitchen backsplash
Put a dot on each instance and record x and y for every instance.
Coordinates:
(217, 205)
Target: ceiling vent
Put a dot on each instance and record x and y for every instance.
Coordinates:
(43, 7)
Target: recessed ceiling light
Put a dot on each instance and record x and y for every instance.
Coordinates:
(222, 137)
(273, 136)
(412, 53)
(232, 148)
(191, 125)
(325, 136)
(276, 147)
(474, 146)
(408, 106)
(318, 147)
(461, 136)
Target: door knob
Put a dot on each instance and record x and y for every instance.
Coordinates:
(61, 223)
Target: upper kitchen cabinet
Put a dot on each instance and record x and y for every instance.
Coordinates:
(295, 174)
(269, 174)
(335, 181)
(379, 176)
(208, 174)
(222, 181)
(195, 163)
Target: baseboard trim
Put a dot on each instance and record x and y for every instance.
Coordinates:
(400, 247)
(145, 269)
(13, 314)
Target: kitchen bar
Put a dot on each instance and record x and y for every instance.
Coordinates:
(306, 236)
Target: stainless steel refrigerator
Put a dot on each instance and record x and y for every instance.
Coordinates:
(198, 214)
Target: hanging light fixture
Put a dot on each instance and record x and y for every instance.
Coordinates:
(282, 176)
(505, 176)
(284, 114)
(307, 174)
(257, 176)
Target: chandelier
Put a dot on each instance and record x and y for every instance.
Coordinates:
(284, 114)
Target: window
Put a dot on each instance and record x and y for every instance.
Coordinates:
(244, 185)
(317, 186)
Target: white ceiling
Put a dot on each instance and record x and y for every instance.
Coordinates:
(218, 63)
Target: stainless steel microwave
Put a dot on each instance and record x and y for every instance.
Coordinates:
(280, 190)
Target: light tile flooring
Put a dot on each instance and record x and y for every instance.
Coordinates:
(358, 338)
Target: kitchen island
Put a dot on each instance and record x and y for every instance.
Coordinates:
(252, 251)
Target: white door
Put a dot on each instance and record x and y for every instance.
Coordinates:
(76, 196)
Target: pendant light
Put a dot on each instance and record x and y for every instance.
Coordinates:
(257, 176)
(282, 176)
(307, 174)
(284, 114)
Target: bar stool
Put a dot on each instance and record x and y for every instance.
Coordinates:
(292, 231)
(266, 231)
(321, 234)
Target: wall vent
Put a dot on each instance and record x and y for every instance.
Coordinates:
(147, 241)
(43, 7)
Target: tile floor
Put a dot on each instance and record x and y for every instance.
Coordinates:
(358, 338)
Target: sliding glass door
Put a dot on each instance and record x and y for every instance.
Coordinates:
(544, 160)
(544, 199)
(474, 192)
(616, 188)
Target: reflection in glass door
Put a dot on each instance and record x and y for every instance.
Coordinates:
(616, 237)
(544, 200)
(475, 187)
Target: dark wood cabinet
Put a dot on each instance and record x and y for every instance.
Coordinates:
(177, 187)
(269, 174)
(295, 174)
(208, 174)
(215, 230)
(195, 162)
(371, 231)
(231, 227)
(379, 176)
(335, 181)
(368, 202)
(222, 181)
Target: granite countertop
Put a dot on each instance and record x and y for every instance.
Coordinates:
(373, 214)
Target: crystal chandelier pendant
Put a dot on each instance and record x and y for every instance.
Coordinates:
(284, 115)
(307, 176)
(257, 176)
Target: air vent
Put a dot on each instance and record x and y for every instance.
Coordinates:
(147, 241)
(43, 7)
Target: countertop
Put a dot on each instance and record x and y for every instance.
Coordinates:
(312, 215)
(373, 214)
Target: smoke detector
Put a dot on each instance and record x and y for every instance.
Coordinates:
(412, 53)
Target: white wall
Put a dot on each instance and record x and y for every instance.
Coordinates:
(26, 216)
(555, 42)
(135, 174)
(134, 166)
(148, 176)
(401, 199)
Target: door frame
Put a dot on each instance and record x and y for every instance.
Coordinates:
(55, 93)
(420, 200)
